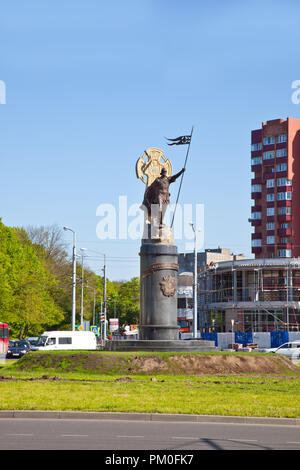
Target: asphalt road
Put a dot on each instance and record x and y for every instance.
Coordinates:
(85, 434)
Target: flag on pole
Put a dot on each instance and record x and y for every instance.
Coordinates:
(182, 140)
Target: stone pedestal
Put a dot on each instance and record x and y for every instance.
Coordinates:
(158, 328)
(193, 346)
(158, 313)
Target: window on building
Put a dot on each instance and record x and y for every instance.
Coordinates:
(270, 197)
(284, 196)
(281, 138)
(284, 253)
(286, 225)
(270, 240)
(284, 240)
(256, 243)
(281, 153)
(256, 161)
(269, 155)
(270, 183)
(270, 211)
(284, 210)
(256, 215)
(257, 146)
(183, 324)
(256, 188)
(284, 182)
(269, 140)
(270, 226)
(184, 302)
(281, 167)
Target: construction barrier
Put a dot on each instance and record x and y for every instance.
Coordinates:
(272, 339)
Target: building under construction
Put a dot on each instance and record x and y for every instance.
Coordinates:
(250, 295)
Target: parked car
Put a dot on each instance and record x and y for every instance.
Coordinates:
(18, 348)
(32, 340)
(290, 349)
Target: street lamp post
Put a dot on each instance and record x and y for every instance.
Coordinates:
(232, 330)
(195, 282)
(94, 305)
(73, 278)
(104, 289)
(104, 296)
(82, 280)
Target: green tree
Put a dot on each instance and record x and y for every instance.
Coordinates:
(50, 247)
(124, 302)
(26, 303)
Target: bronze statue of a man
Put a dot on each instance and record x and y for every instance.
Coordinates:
(157, 195)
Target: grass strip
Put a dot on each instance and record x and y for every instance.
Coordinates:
(165, 394)
(65, 383)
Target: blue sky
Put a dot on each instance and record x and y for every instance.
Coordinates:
(91, 84)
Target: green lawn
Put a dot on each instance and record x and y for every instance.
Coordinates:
(86, 391)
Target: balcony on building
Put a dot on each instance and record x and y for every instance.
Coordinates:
(257, 180)
(284, 232)
(256, 153)
(282, 160)
(255, 218)
(284, 246)
(256, 168)
(267, 147)
(256, 236)
(284, 189)
(255, 222)
(270, 190)
(284, 203)
(268, 173)
(268, 162)
(281, 145)
(284, 218)
(282, 174)
(256, 195)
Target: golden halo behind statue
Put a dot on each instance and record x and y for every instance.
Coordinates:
(149, 165)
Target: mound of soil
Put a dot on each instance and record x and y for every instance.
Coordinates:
(216, 364)
(189, 364)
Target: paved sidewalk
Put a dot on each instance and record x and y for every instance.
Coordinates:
(35, 414)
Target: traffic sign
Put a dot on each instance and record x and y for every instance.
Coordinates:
(95, 329)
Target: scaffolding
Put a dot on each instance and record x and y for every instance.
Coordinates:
(258, 295)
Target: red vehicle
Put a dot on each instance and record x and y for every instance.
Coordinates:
(184, 325)
(4, 338)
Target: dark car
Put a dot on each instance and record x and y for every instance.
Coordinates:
(32, 340)
(18, 348)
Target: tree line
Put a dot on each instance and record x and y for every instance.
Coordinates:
(36, 284)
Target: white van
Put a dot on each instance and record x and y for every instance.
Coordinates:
(63, 340)
(291, 349)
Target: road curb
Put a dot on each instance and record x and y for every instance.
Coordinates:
(40, 414)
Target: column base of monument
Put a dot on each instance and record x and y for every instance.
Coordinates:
(188, 346)
(158, 332)
(158, 312)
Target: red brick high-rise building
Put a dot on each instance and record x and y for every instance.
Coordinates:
(275, 189)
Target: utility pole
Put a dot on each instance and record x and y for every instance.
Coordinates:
(104, 288)
(82, 280)
(73, 279)
(195, 307)
(104, 296)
